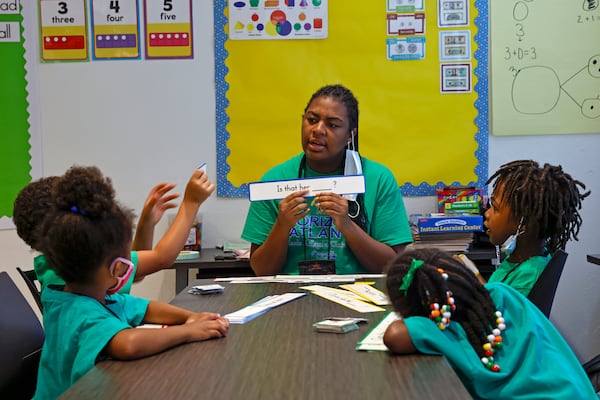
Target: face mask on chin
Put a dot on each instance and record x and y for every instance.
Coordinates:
(509, 245)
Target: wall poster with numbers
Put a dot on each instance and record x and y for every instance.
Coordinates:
(64, 34)
(545, 67)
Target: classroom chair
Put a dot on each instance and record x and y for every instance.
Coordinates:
(543, 291)
(21, 342)
(592, 368)
(29, 277)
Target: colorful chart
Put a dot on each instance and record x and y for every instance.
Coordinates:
(274, 19)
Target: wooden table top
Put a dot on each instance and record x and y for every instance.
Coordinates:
(278, 355)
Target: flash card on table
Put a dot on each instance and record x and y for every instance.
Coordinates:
(335, 326)
(207, 289)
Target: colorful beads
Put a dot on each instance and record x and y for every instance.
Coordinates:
(494, 342)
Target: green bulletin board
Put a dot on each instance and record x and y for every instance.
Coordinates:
(15, 155)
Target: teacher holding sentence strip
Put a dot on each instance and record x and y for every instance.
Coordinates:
(329, 233)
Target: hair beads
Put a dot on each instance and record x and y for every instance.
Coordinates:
(494, 343)
(441, 315)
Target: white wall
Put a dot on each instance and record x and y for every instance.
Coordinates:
(143, 122)
(577, 302)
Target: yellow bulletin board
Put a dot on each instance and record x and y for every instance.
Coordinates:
(428, 139)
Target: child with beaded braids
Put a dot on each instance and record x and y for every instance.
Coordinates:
(534, 211)
(500, 345)
(86, 237)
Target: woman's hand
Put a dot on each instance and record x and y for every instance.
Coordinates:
(292, 209)
(335, 206)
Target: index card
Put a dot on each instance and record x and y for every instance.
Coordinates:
(275, 190)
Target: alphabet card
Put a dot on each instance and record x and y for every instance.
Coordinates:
(115, 29)
(168, 29)
(274, 190)
(64, 30)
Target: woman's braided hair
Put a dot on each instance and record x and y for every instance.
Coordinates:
(475, 310)
(544, 196)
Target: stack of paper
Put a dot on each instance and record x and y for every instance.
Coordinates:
(335, 326)
(260, 307)
(358, 297)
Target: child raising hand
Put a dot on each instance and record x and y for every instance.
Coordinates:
(500, 345)
(86, 237)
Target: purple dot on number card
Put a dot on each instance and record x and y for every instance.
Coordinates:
(260, 27)
(307, 26)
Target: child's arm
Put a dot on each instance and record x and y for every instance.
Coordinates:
(397, 339)
(198, 189)
(186, 327)
(157, 202)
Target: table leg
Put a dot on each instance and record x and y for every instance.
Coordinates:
(181, 279)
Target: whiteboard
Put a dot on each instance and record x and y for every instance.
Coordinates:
(545, 67)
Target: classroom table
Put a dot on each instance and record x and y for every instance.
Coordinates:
(214, 263)
(211, 263)
(277, 355)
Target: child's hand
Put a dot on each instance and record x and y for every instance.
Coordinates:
(470, 265)
(199, 187)
(207, 326)
(158, 202)
(202, 316)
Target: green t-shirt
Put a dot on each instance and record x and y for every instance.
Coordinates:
(315, 236)
(535, 362)
(47, 276)
(77, 330)
(521, 276)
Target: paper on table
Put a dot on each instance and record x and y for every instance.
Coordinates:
(347, 300)
(299, 278)
(342, 292)
(374, 339)
(260, 307)
(368, 292)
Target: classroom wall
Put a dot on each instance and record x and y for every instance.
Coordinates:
(143, 122)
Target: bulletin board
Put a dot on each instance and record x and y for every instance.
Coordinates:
(428, 139)
(19, 151)
(545, 67)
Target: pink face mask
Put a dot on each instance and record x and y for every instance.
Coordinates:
(121, 280)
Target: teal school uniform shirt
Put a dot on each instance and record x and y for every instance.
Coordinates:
(77, 329)
(535, 362)
(47, 276)
(521, 276)
(315, 236)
